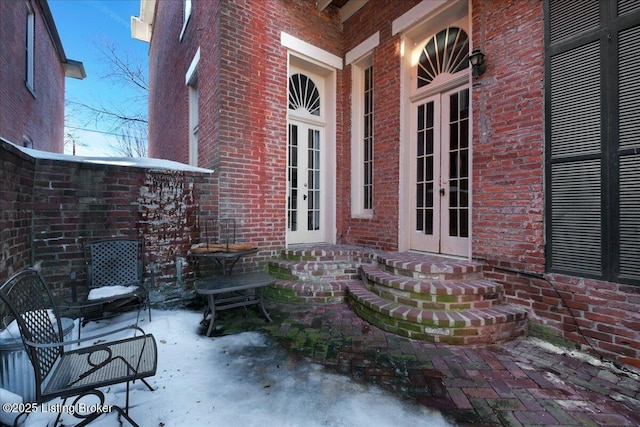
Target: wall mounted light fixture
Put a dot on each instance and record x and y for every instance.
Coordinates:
(478, 64)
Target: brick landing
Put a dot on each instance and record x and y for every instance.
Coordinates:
(518, 383)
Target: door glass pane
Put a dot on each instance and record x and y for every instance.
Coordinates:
(313, 177)
(459, 164)
(292, 177)
(424, 168)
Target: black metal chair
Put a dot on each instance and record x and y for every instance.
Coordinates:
(80, 372)
(115, 279)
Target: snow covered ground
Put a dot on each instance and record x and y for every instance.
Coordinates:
(242, 380)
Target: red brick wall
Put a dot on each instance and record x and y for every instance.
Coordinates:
(508, 215)
(382, 230)
(50, 207)
(16, 181)
(508, 114)
(39, 115)
(170, 57)
(242, 78)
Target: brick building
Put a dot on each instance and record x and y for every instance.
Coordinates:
(34, 67)
(362, 122)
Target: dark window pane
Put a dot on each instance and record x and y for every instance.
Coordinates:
(429, 222)
(453, 111)
(464, 223)
(453, 222)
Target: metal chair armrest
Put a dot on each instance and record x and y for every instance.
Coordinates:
(78, 341)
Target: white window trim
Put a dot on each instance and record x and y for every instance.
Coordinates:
(309, 50)
(185, 16)
(192, 67)
(30, 53)
(363, 49)
(191, 80)
(360, 58)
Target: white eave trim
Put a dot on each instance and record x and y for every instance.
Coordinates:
(307, 49)
(351, 8)
(362, 49)
(415, 14)
(140, 30)
(74, 69)
(141, 26)
(346, 11)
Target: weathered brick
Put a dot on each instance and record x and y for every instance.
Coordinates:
(40, 115)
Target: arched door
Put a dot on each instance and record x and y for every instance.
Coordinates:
(439, 145)
(306, 159)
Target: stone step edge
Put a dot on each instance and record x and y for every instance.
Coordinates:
(310, 293)
(314, 265)
(431, 287)
(328, 254)
(335, 286)
(428, 264)
(406, 262)
(435, 318)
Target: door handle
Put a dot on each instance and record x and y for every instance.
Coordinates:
(304, 197)
(442, 191)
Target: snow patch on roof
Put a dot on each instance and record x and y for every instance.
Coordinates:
(114, 161)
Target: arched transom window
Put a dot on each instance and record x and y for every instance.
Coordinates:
(303, 94)
(445, 52)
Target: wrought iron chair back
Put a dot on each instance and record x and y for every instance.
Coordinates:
(114, 262)
(26, 298)
(30, 304)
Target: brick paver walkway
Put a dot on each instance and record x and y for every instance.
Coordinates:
(520, 383)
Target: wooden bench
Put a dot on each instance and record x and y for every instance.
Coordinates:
(235, 290)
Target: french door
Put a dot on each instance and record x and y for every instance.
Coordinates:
(305, 222)
(440, 173)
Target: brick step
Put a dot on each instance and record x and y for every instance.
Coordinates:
(314, 271)
(460, 327)
(433, 294)
(329, 253)
(313, 293)
(428, 267)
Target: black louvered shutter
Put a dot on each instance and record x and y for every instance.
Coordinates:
(629, 147)
(593, 138)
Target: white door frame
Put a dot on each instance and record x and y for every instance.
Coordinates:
(308, 187)
(424, 19)
(436, 190)
(299, 63)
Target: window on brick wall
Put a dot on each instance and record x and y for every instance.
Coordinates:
(191, 79)
(362, 138)
(362, 126)
(29, 49)
(186, 14)
(193, 121)
(593, 139)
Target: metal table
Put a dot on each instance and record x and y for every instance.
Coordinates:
(233, 290)
(226, 260)
(230, 290)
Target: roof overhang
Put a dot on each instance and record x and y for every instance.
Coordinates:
(72, 68)
(347, 7)
(142, 26)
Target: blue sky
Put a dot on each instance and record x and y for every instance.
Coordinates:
(85, 26)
